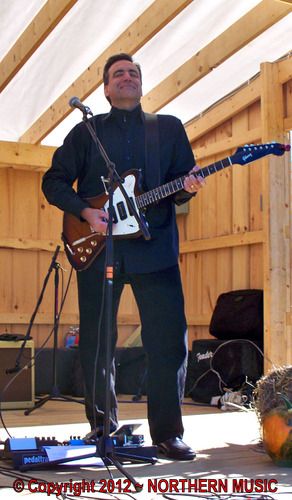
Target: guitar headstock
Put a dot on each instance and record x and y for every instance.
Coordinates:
(252, 152)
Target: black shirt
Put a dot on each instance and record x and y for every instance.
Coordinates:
(122, 134)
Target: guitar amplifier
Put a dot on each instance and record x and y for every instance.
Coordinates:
(17, 390)
(232, 362)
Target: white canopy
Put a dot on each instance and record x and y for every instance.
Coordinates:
(203, 33)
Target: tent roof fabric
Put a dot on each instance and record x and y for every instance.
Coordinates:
(198, 34)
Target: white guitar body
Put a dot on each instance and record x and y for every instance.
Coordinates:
(124, 223)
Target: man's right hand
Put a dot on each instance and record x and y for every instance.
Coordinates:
(96, 218)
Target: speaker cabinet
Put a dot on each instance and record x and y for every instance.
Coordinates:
(16, 389)
(232, 361)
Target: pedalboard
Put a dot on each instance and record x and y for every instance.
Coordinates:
(33, 452)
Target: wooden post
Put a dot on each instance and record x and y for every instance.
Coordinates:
(277, 219)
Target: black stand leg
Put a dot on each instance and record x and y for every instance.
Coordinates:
(55, 394)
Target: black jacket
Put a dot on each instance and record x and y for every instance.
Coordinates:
(122, 134)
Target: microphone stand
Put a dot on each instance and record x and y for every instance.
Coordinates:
(55, 393)
(27, 335)
(105, 446)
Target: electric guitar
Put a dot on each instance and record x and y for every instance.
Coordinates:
(82, 244)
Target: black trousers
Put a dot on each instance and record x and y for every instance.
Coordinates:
(160, 302)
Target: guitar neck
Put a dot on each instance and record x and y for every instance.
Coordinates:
(160, 192)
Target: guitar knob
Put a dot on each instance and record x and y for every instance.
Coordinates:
(79, 249)
(88, 251)
(83, 258)
(93, 243)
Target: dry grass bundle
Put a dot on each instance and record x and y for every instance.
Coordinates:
(268, 390)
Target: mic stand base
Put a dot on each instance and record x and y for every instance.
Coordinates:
(55, 395)
(107, 453)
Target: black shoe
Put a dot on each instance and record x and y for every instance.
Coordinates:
(176, 449)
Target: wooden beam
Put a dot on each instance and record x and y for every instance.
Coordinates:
(243, 31)
(131, 40)
(276, 220)
(224, 111)
(15, 318)
(30, 244)
(25, 156)
(40, 27)
(285, 1)
(230, 240)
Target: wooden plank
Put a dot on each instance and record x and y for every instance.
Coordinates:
(25, 156)
(287, 92)
(288, 123)
(37, 31)
(131, 40)
(240, 209)
(243, 31)
(24, 207)
(6, 210)
(230, 240)
(199, 320)
(223, 111)
(256, 208)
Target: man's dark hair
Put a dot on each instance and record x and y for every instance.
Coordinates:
(113, 59)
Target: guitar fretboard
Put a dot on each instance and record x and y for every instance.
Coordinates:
(160, 192)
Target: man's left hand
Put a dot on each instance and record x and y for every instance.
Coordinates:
(193, 183)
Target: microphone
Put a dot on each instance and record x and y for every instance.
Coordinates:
(76, 103)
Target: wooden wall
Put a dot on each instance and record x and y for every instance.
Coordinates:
(236, 233)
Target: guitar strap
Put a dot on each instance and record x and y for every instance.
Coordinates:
(152, 157)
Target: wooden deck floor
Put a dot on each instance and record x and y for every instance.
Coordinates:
(229, 456)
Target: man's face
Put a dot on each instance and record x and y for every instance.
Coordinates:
(124, 85)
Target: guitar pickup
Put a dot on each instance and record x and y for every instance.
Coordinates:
(121, 210)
